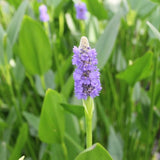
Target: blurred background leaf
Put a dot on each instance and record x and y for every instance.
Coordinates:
(106, 41)
(139, 70)
(34, 47)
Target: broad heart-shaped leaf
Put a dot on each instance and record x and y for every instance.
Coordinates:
(51, 127)
(14, 26)
(96, 8)
(20, 142)
(34, 47)
(106, 41)
(77, 110)
(154, 30)
(96, 152)
(137, 71)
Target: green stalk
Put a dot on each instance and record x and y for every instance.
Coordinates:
(89, 107)
(155, 65)
(64, 150)
(82, 27)
(43, 82)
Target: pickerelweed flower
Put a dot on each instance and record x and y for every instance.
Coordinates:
(44, 17)
(86, 75)
(81, 10)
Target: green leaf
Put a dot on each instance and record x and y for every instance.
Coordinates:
(115, 145)
(14, 26)
(139, 70)
(106, 41)
(34, 47)
(96, 8)
(97, 151)
(32, 120)
(154, 30)
(119, 61)
(21, 140)
(72, 138)
(54, 3)
(3, 150)
(56, 152)
(2, 33)
(49, 82)
(52, 118)
(156, 1)
(68, 87)
(77, 110)
(19, 71)
(142, 7)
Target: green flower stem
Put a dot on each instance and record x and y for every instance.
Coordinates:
(9, 82)
(155, 65)
(57, 64)
(43, 82)
(15, 104)
(88, 131)
(47, 29)
(65, 151)
(82, 27)
(89, 107)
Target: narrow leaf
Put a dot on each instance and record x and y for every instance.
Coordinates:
(106, 41)
(21, 140)
(115, 146)
(32, 120)
(3, 150)
(15, 23)
(154, 30)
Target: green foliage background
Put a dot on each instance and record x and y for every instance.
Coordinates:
(39, 114)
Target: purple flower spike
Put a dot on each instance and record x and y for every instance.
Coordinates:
(86, 75)
(44, 17)
(81, 10)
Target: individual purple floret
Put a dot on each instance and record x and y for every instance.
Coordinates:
(44, 17)
(86, 75)
(81, 10)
